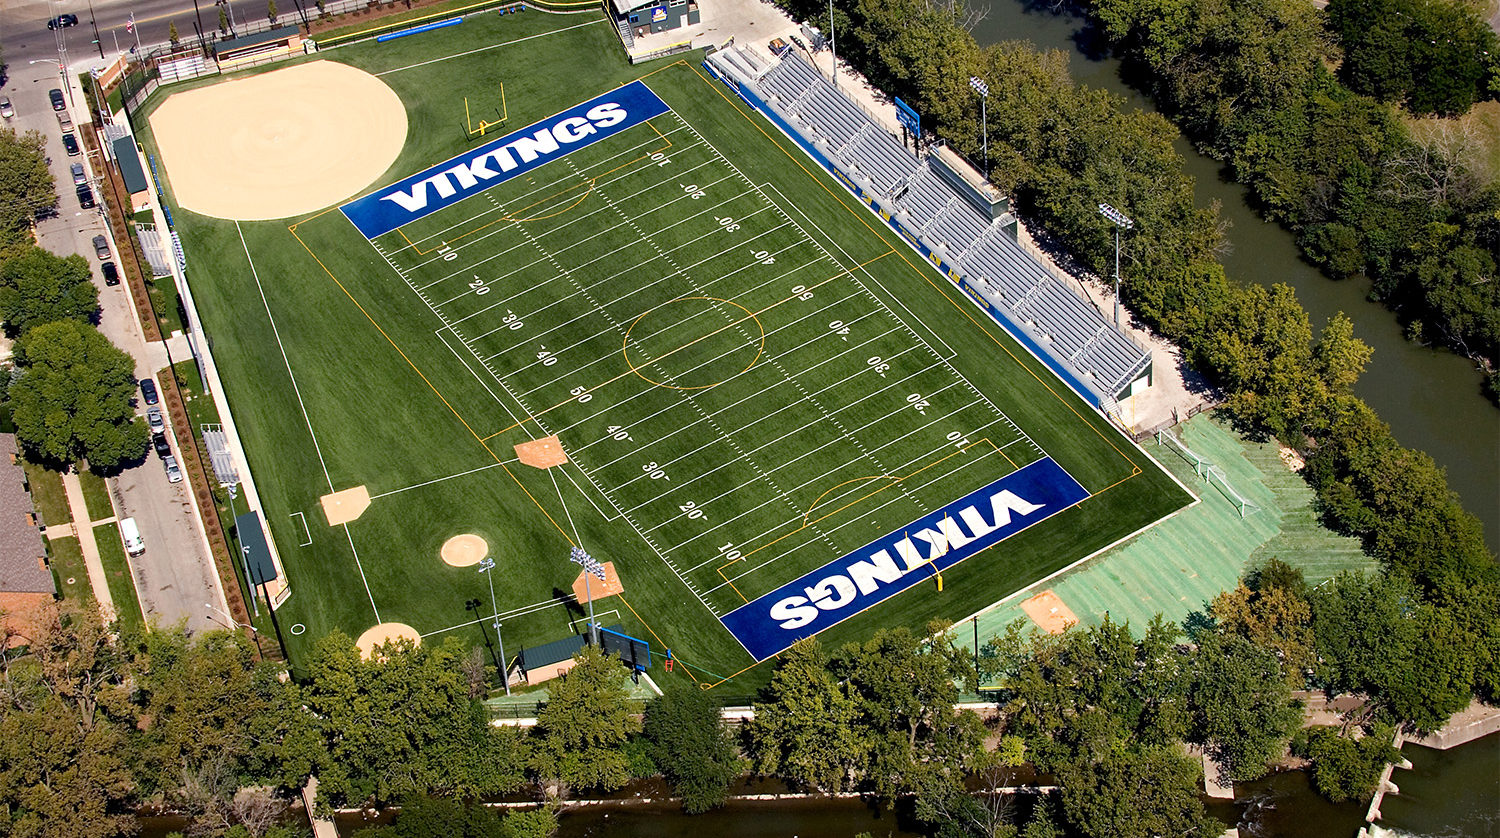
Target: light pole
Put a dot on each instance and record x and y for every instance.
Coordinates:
(254, 632)
(1121, 221)
(591, 567)
(984, 117)
(833, 48)
(504, 673)
(94, 23)
(234, 489)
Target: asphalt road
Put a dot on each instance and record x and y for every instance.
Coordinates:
(24, 33)
(175, 577)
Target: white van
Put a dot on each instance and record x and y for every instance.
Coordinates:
(131, 535)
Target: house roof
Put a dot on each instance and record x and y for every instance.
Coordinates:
(22, 551)
(549, 653)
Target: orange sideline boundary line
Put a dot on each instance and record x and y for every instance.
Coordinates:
(429, 384)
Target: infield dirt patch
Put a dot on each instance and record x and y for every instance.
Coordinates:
(375, 636)
(542, 453)
(279, 144)
(345, 506)
(610, 586)
(465, 550)
(1049, 612)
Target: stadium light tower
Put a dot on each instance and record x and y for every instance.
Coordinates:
(485, 567)
(1121, 221)
(984, 117)
(833, 47)
(591, 567)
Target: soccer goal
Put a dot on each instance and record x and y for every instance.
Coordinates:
(1211, 473)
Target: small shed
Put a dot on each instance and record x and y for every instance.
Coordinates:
(647, 16)
(549, 660)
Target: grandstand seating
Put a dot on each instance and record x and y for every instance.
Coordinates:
(1066, 326)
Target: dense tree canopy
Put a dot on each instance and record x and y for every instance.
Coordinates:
(1433, 56)
(692, 747)
(37, 287)
(27, 187)
(586, 721)
(72, 398)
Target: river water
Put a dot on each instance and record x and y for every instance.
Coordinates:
(1432, 399)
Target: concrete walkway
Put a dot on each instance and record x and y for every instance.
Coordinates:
(97, 580)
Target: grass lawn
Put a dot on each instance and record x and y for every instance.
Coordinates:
(117, 571)
(96, 496)
(72, 574)
(750, 375)
(47, 495)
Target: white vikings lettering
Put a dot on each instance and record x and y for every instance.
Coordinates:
(543, 142)
(880, 568)
(863, 578)
(417, 198)
(833, 592)
(606, 115)
(529, 148)
(793, 612)
(573, 130)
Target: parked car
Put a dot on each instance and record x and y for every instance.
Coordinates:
(163, 448)
(174, 473)
(111, 273)
(70, 143)
(65, 122)
(58, 102)
(85, 196)
(62, 22)
(148, 390)
(101, 247)
(155, 420)
(5, 108)
(79, 175)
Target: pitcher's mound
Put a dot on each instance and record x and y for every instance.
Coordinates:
(465, 550)
(542, 453)
(343, 507)
(375, 636)
(279, 144)
(1049, 612)
(609, 586)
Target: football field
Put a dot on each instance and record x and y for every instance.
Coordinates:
(774, 418)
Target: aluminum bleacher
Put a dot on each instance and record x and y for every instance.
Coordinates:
(1095, 357)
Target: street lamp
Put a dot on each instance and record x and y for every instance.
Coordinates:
(254, 632)
(984, 117)
(1121, 221)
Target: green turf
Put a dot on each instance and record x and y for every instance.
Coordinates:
(47, 495)
(795, 451)
(66, 558)
(96, 496)
(1182, 563)
(117, 571)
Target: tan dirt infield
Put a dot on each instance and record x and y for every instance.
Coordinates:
(375, 636)
(279, 144)
(542, 453)
(1049, 612)
(345, 506)
(465, 550)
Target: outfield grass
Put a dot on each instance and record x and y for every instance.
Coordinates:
(117, 572)
(347, 365)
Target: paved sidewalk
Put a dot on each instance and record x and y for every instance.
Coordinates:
(97, 580)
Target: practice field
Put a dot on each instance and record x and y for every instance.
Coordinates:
(753, 399)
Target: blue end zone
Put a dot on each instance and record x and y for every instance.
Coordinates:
(498, 161)
(896, 561)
